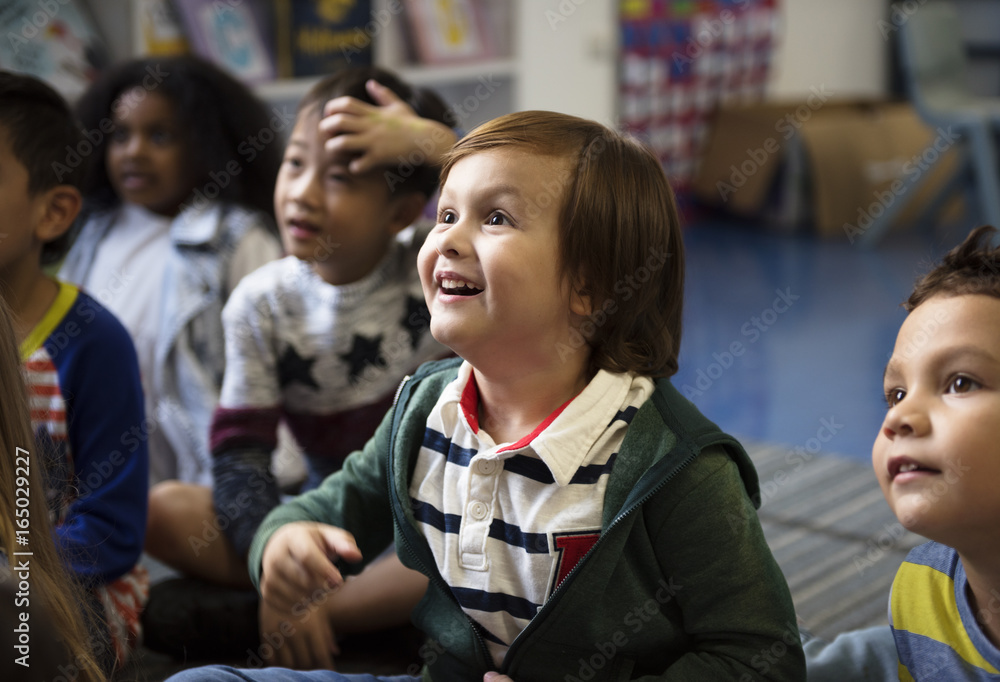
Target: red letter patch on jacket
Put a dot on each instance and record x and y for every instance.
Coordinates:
(571, 547)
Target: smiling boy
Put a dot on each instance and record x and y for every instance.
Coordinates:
(568, 507)
(937, 459)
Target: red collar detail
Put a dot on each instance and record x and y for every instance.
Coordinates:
(470, 403)
(470, 408)
(541, 427)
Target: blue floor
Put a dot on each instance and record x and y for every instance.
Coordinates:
(786, 337)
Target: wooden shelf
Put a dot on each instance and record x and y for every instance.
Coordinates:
(424, 76)
(439, 75)
(558, 66)
(284, 89)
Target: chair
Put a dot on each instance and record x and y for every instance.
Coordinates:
(933, 66)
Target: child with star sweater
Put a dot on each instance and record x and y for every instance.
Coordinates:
(319, 340)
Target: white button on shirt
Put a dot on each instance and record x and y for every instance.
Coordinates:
(486, 467)
(478, 510)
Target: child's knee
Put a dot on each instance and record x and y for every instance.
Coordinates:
(169, 503)
(163, 500)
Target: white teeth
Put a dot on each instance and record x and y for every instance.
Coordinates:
(456, 284)
(908, 467)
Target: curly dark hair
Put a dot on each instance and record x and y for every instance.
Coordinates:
(42, 131)
(350, 82)
(972, 267)
(222, 118)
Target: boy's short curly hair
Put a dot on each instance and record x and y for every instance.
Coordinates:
(45, 138)
(350, 82)
(972, 267)
(620, 236)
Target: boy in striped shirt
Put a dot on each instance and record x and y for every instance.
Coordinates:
(937, 459)
(80, 368)
(569, 507)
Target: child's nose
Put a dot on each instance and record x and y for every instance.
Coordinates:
(906, 418)
(136, 145)
(305, 189)
(452, 242)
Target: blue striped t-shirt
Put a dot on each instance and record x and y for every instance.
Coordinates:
(936, 630)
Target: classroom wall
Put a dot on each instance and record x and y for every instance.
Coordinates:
(835, 43)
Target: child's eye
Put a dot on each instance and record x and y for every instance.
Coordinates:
(962, 384)
(497, 218)
(161, 137)
(893, 396)
(293, 162)
(447, 217)
(119, 134)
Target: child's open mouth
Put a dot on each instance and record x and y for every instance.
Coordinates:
(135, 181)
(457, 287)
(301, 229)
(905, 469)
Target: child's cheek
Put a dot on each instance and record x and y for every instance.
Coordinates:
(425, 266)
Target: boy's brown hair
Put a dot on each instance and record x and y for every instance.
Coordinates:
(620, 237)
(972, 267)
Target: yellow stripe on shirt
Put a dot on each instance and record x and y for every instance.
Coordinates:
(53, 316)
(930, 610)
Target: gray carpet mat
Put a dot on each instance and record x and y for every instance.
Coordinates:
(833, 534)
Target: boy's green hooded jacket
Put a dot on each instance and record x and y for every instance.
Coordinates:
(680, 586)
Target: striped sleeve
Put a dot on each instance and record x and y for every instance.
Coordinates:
(937, 636)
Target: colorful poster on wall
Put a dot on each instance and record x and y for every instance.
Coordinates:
(231, 34)
(449, 31)
(681, 59)
(318, 37)
(57, 42)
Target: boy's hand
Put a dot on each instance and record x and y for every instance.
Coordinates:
(383, 135)
(298, 561)
(496, 677)
(305, 642)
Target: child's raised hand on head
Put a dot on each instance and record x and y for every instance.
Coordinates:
(298, 561)
(386, 134)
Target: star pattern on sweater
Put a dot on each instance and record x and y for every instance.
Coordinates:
(416, 320)
(365, 352)
(292, 367)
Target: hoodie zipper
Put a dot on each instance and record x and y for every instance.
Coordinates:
(561, 588)
(399, 389)
(433, 574)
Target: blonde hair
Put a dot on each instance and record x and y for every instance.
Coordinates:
(62, 598)
(620, 234)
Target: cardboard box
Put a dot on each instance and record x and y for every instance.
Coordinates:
(833, 165)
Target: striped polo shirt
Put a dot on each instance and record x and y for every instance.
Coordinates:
(935, 627)
(507, 522)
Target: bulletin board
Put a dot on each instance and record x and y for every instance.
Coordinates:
(680, 60)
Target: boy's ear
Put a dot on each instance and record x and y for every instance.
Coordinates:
(61, 205)
(407, 208)
(579, 300)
